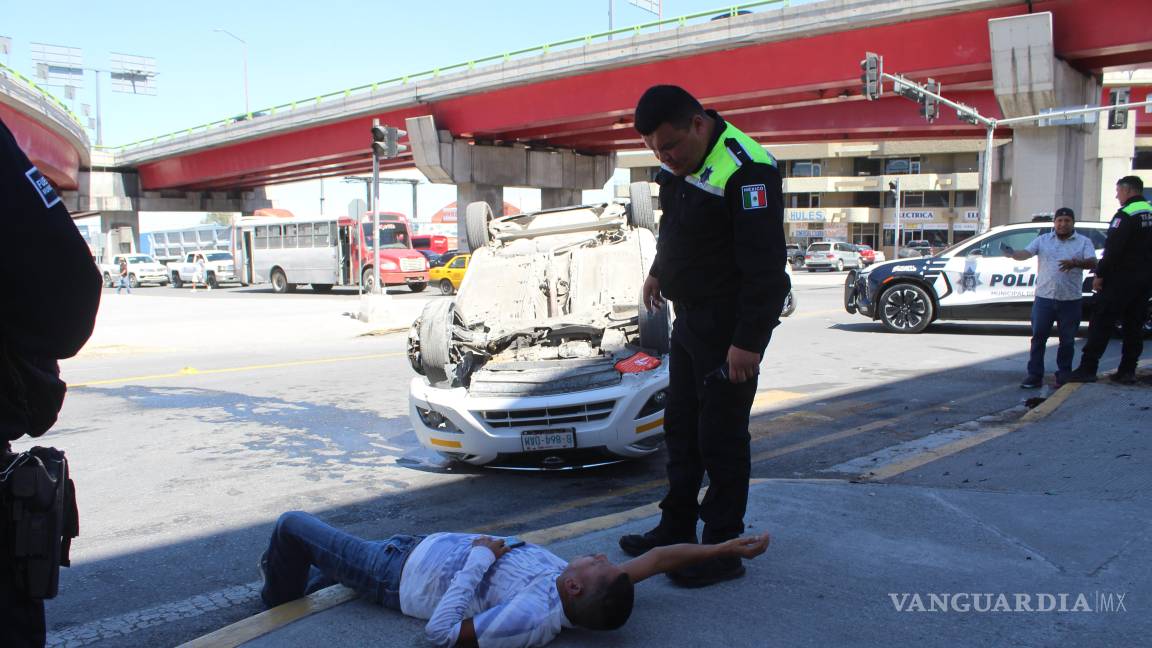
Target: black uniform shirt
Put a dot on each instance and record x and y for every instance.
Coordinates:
(1128, 248)
(711, 248)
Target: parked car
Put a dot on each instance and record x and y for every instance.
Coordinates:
(433, 258)
(972, 280)
(795, 255)
(546, 357)
(219, 268)
(449, 275)
(832, 255)
(444, 258)
(142, 268)
(916, 248)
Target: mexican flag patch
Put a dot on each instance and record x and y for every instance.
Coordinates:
(754, 196)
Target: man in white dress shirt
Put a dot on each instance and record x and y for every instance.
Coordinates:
(472, 589)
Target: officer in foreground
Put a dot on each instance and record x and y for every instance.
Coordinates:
(48, 314)
(720, 261)
(1122, 284)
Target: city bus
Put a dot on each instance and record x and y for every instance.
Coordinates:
(326, 252)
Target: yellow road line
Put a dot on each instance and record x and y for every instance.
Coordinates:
(192, 371)
(261, 624)
(928, 455)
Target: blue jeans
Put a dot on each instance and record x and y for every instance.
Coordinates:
(1067, 316)
(305, 554)
(123, 284)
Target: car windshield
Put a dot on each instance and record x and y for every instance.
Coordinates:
(139, 259)
(218, 256)
(392, 235)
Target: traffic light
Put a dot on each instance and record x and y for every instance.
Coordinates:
(930, 106)
(386, 141)
(1118, 119)
(873, 66)
(894, 188)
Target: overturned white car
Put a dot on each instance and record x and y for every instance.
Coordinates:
(545, 359)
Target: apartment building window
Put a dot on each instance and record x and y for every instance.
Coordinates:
(900, 166)
(803, 200)
(863, 166)
(866, 199)
(804, 169)
(935, 198)
(907, 199)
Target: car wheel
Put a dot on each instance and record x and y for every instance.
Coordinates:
(655, 328)
(279, 281)
(133, 282)
(212, 283)
(322, 288)
(418, 286)
(640, 212)
(435, 338)
(446, 287)
(107, 280)
(177, 282)
(789, 305)
(839, 265)
(476, 220)
(905, 308)
(368, 279)
(850, 293)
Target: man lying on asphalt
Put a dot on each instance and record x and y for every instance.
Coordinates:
(473, 589)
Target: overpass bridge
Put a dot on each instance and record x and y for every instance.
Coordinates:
(554, 116)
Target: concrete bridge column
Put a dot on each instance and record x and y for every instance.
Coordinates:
(551, 198)
(1052, 166)
(120, 234)
(470, 192)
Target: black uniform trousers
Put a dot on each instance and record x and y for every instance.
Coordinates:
(1123, 300)
(706, 426)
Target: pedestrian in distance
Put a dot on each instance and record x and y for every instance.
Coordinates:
(1123, 283)
(123, 283)
(472, 589)
(1063, 255)
(200, 272)
(720, 261)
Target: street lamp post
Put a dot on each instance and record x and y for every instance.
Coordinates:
(244, 55)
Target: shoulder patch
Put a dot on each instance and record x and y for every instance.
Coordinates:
(754, 196)
(1115, 223)
(43, 187)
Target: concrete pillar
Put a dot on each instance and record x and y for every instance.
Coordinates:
(552, 198)
(469, 192)
(120, 234)
(1108, 157)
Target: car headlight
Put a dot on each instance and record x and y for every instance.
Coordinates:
(655, 404)
(436, 420)
(388, 265)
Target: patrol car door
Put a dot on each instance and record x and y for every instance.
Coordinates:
(984, 282)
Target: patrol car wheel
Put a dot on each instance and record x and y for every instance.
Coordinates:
(789, 305)
(850, 293)
(476, 220)
(905, 308)
(640, 212)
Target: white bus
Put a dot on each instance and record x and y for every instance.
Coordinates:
(325, 252)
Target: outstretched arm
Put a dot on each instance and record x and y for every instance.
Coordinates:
(673, 557)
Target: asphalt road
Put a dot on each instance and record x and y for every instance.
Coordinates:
(189, 434)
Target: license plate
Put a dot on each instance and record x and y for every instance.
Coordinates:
(559, 439)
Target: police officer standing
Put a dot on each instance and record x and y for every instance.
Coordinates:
(1122, 284)
(47, 315)
(720, 261)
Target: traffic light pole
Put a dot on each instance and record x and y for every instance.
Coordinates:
(372, 205)
(899, 229)
(874, 77)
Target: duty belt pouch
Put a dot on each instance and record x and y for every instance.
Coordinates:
(39, 519)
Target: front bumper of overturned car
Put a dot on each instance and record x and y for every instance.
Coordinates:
(469, 437)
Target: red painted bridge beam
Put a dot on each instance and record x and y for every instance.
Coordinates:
(58, 160)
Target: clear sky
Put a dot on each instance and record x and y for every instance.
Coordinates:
(295, 50)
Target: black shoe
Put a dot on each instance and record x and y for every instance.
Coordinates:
(1123, 377)
(636, 544)
(1032, 382)
(1082, 376)
(707, 573)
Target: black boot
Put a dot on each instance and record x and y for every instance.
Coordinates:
(638, 544)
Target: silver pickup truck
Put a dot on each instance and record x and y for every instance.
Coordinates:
(219, 267)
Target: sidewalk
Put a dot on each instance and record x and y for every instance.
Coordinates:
(1057, 507)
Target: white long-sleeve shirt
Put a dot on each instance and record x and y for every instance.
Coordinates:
(513, 602)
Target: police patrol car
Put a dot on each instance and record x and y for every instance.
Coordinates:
(972, 280)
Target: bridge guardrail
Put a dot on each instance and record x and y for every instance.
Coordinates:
(680, 21)
(17, 85)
